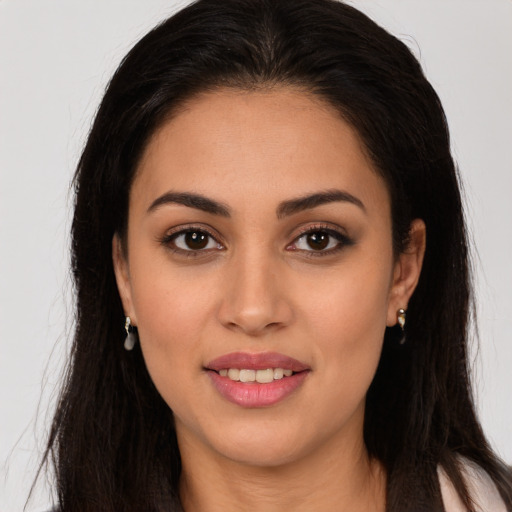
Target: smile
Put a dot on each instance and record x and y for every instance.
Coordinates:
(260, 376)
(256, 380)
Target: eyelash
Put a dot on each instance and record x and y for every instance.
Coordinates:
(169, 239)
(343, 241)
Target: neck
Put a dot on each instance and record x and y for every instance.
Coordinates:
(349, 481)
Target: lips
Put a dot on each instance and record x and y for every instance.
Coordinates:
(256, 380)
(261, 361)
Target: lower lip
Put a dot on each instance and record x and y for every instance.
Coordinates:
(254, 394)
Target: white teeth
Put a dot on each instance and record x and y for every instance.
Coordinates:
(278, 373)
(260, 376)
(234, 374)
(265, 376)
(247, 375)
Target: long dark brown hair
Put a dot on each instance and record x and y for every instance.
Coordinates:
(112, 442)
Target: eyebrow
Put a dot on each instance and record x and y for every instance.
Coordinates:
(285, 209)
(191, 200)
(292, 206)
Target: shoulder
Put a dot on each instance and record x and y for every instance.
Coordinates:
(481, 487)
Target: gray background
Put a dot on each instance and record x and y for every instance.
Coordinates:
(55, 59)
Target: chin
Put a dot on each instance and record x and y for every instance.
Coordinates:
(261, 454)
(268, 445)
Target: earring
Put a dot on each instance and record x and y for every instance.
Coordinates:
(131, 335)
(401, 314)
(401, 318)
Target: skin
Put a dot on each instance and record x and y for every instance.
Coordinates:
(259, 286)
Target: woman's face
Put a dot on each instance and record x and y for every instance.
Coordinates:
(259, 244)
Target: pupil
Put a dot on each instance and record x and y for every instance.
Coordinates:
(318, 240)
(196, 240)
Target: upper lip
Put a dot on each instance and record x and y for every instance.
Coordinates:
(256, 361)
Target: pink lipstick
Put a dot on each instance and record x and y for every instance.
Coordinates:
(256, 380)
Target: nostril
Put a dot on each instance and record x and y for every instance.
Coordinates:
(246, 310)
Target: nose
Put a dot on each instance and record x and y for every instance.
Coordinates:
(254, 300)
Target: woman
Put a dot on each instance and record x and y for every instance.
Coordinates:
(267, 205)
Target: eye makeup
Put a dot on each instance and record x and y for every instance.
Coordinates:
(191, 241)
(320, 240)
(316, 240)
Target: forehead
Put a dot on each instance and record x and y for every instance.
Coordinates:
(271, 144)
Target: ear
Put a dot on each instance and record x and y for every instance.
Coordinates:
(407, 270)
(121, 271)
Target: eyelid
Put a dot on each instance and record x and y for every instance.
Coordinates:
(176, 231)
(319, 226)
(335, 231)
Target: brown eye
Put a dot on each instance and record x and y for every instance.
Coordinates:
(318, 240)
(194, 240)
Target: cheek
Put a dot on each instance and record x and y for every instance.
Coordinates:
(348, 318)
(173, 310)
(352, 304)
(171, 302)
(170, 332)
